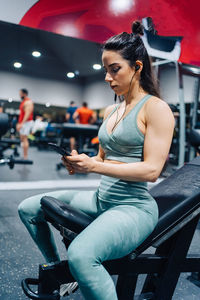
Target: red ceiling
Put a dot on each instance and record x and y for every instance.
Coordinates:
(94, 20)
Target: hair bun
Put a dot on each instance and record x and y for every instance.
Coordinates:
(137, 28)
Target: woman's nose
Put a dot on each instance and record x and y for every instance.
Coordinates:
(108, 78)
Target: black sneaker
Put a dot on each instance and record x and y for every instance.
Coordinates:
(68, 288)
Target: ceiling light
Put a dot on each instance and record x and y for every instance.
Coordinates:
(68, 29)
(36, 53)
(17, 65)
(70, 75)
(48, 104)
(96, 66)
(120, 6)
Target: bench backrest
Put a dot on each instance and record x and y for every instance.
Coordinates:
(178, 197)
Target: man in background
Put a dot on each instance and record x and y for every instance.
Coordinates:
(84, 115)
(25, 121)
(69, 118)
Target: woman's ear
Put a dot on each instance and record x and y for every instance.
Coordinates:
(138, 66)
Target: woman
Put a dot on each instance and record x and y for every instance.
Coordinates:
(135, 138)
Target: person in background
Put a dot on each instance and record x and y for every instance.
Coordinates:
(39, 126)
(1, 107)
(69, 118)
(25, 121)
(84, 115)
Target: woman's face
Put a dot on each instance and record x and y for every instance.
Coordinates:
(118, 72)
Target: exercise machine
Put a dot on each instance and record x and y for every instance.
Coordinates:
(6, 143)
(194, 139)
(81, 133)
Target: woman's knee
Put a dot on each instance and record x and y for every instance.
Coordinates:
(73, 254)
(23, 207)
(29, 207)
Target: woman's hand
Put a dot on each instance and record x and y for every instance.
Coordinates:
(68, 165)
(78, 163)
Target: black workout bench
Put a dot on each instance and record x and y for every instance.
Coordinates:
(6, 143)
(178, 199)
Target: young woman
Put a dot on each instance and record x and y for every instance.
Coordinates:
(135, 138)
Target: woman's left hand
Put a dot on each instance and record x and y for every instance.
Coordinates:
(80, 163)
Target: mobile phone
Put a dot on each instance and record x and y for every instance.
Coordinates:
(59, 149)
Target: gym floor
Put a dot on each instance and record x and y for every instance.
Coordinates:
(19, 257)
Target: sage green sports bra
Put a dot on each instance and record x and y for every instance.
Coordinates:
(125, 143)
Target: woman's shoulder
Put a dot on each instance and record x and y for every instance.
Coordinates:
(156, 106)
(156, 102)
(108, 110)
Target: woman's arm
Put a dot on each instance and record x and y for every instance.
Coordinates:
(100, 155)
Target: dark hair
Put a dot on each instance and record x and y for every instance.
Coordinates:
(85, 104)
(132, 48)
(72, 102)
(24, 91)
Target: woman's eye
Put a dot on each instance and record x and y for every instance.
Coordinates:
(115, 70)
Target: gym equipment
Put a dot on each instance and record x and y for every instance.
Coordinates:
(194, 139)
(162, 47)
(167, 50)
(6, 143)
(51, 135)
(81, 132)
(193, 131)
(179, 211)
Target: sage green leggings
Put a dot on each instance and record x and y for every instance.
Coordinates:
(116, 231)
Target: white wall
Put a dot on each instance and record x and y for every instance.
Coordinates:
(13, 11)
(55, 92)
(98, 94)
(169, 86)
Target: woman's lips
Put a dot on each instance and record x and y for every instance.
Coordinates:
(113, 86)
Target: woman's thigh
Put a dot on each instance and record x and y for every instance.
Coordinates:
(83, 200)
(114, 233)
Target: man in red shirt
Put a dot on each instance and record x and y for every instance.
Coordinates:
(84, 115)
(25, 121)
